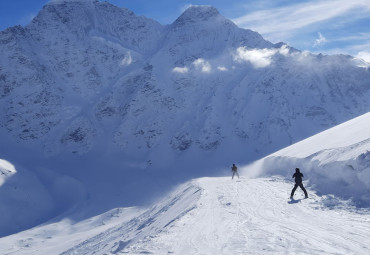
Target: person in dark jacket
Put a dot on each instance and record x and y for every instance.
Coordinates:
(298, 182)
(234, 169)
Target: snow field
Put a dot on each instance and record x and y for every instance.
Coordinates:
(28, 200)
(56, 237)
(211, 216)
(336, 161)
(345, 135)
(254, 216)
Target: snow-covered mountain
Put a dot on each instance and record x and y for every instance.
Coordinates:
(99, 103)
(87, 73)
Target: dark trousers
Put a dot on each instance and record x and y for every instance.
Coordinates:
(235, 173)
(301, 186)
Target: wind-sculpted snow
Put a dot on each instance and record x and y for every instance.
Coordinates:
(30, 198)
(150, 223)
(336, 161)
(6, 170)
(24, 201)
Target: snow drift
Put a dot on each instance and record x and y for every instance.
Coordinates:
(26, 200)
(336, 161)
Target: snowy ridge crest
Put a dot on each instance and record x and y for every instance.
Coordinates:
(337, 157)
(71, 1)
(198, 13)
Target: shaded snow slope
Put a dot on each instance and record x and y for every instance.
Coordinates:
(354, 132)
(28, 200)
(211, 216)
(336, 161)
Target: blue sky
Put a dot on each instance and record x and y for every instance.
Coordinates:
(326, 26)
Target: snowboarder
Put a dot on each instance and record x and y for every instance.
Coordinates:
(298, 182)
(234, 169)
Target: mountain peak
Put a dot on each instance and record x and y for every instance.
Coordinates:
(67, 1)
(198, 13)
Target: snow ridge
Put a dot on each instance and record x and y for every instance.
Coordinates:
(150, 223)
(336, 161)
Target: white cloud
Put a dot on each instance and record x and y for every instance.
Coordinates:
(364, 56)
(350, 49)
(127, 60)
(280, 23)
(202, 65)
(320, 41)
(284, 50)
(355, 37)
(361, 47)
(180, 70)
(259, 58)
(222, 68)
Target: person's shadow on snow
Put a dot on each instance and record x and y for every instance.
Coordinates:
(294, 201)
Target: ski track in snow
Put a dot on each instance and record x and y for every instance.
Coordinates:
(224, 216)
(254, 216)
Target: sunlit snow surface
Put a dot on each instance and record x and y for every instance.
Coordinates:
(211, 216)
(336, 161)
(6, 170)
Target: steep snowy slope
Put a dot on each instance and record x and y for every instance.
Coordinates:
(210, 216)
(336, 161)
(86, 75)
(29, 198)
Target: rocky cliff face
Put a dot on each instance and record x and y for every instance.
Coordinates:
(85, 74)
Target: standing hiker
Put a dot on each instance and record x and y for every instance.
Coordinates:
(298, 182)
(234, 169)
